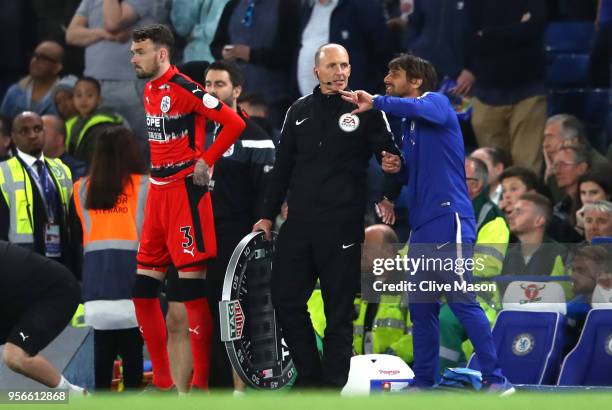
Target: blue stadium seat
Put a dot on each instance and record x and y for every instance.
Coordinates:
(601, 240)
(567, 70)
(569, 37)
(529, 345)
(591, 106)
(590, 362)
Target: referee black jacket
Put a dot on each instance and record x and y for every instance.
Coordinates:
(237, 185)
(322, 158)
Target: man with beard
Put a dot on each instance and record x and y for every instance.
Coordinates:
(441, 212)
(236, 186)
(178, 223)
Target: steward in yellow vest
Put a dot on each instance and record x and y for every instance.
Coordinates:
(35, 194)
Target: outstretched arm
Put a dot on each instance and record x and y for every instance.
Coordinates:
(362, 99)
(431, 107)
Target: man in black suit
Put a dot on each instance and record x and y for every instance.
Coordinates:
(35, 194)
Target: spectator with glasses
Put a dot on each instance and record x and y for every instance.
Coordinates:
(34, 92)
(565, 130)
(569, 163)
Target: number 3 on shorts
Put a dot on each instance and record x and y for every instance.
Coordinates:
(186, 230)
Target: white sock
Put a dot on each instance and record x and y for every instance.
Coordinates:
(63, 383)
(72, 389)
(238, 393)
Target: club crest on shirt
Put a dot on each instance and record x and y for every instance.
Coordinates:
(348, 122)
(165, 104)
(209, 101)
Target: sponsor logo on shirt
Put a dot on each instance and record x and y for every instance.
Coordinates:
(155, 128)
(348, 122)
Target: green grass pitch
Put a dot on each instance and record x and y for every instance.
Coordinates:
(321, 401)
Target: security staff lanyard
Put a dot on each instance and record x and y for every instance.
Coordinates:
(49, 195)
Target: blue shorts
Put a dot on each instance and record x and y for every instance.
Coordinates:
(445, 245)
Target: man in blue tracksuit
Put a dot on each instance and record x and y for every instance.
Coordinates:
(441, 214)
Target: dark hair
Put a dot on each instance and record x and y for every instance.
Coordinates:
(116, 156)
(499, 156)
(527, 176)
(601, 175)
(416, 67)
(596, 253)
(159, 34)
(62, 52)
(235, 73)
(6, 125)
(254, 99)
(90, 80)
(196, 70)
(541, 202)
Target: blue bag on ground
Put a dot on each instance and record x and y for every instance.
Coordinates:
(461, 378)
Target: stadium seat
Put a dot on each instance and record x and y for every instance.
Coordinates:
(589, 363)
(591, 106)
(601, 240)
(529, 346)
(602, 298)
(529, 333)
(567, 70)
(569, 37)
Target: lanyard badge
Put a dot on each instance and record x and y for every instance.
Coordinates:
(53, 246)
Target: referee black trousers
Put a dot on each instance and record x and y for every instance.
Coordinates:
(330, 252)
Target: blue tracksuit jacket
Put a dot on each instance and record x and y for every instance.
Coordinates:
(434, 154)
